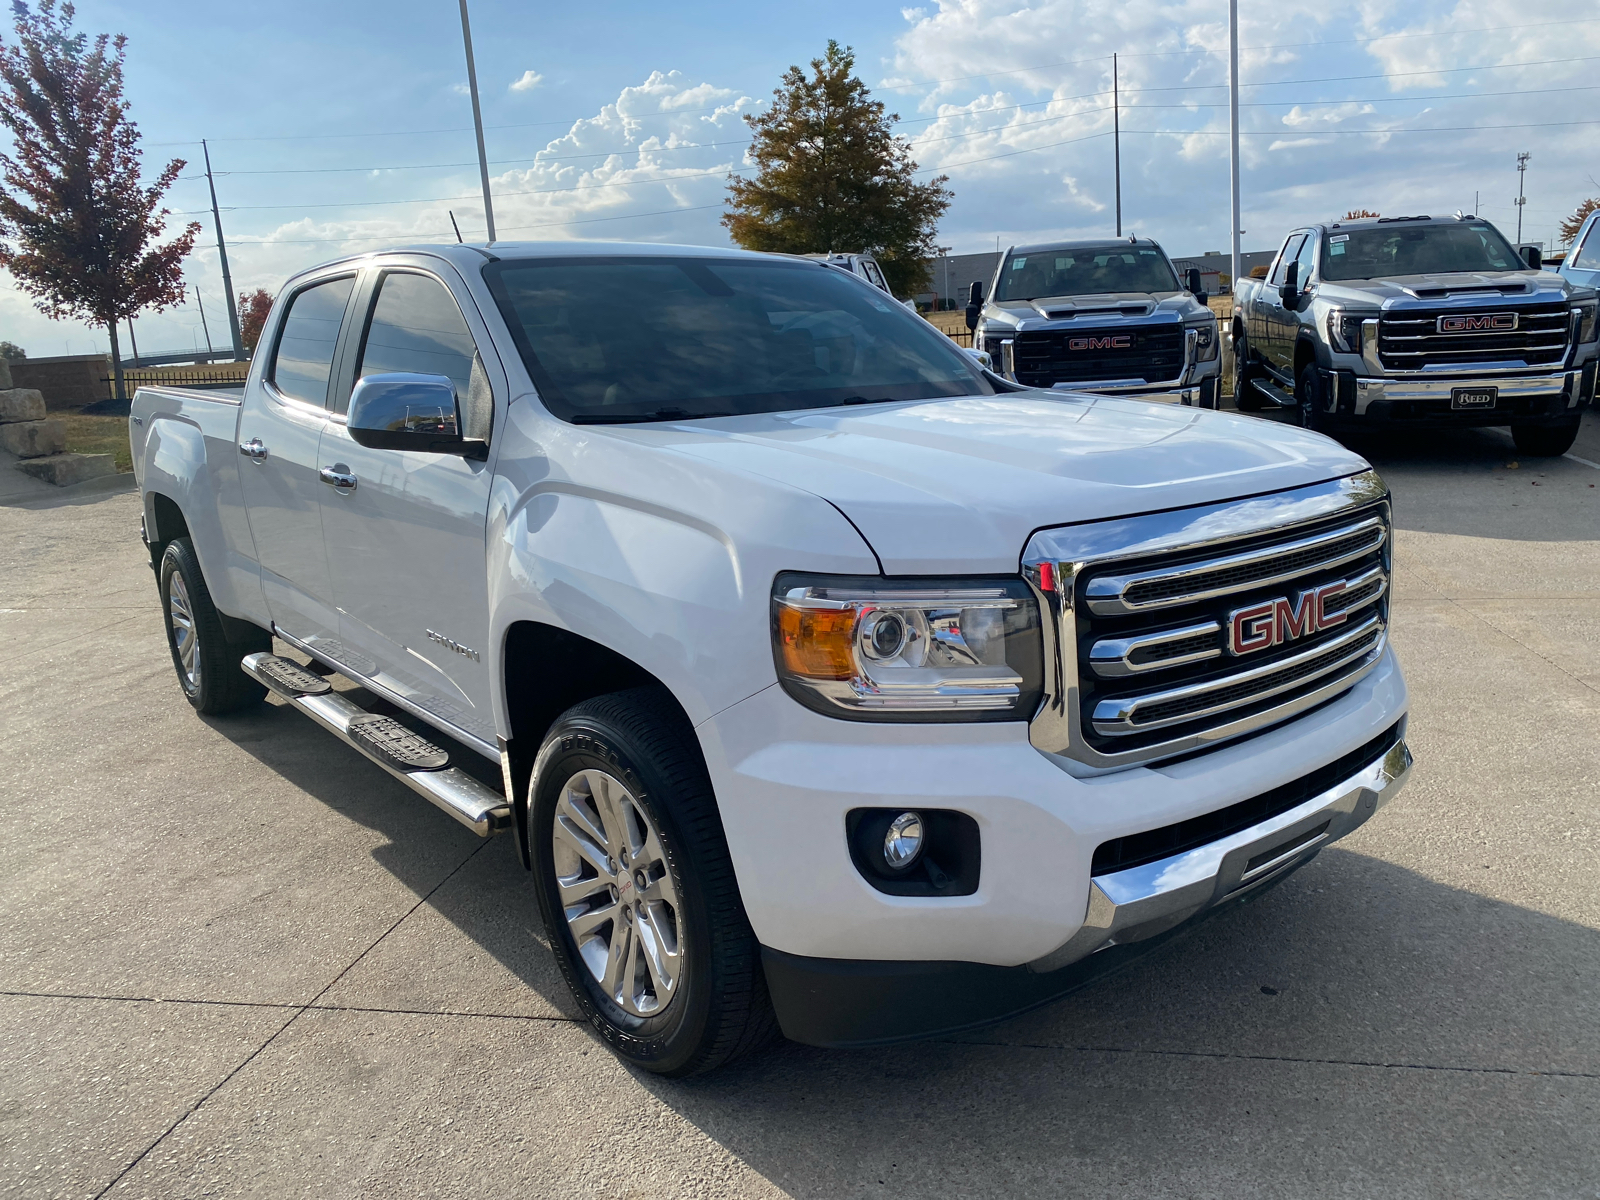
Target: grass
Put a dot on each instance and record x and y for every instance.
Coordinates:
(98, 435)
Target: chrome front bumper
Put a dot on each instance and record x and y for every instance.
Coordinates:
(1411, 388)
(1143, 902)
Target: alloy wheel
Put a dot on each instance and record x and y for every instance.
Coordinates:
(185, 635)
(617, 893)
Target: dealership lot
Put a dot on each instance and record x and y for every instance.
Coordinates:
(237, 959)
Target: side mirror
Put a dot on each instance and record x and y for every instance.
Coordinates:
(1195, 285)
(1289, 292)
(974, 304)
(1534, 257)
(402, 411)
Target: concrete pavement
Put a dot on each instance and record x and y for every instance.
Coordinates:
(238, 960)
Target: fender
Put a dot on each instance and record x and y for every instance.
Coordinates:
(178, 467)
(657, 556)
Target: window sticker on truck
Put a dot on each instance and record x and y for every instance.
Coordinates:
(1018, 263)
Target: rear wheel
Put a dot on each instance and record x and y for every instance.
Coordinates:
(1245, 371)
(1545, 441)
(206, 660)
(637, 889)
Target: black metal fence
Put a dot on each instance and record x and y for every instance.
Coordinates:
(197, 377)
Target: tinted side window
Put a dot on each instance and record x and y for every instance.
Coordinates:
(304, 358)
(1587, 256)
(1291, 248)
(1307, 259)
(416, 326)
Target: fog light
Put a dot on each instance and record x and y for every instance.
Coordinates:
(903, 841)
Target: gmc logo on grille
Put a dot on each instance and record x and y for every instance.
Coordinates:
(1488, 323)
(1274, 622)
(1121, 341)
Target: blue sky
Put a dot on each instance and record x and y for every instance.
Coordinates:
(338, 127)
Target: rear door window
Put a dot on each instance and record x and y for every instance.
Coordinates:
(304, 357)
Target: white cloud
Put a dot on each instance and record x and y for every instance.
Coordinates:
(527, 81)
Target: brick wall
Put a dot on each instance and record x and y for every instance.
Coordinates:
(67, 382)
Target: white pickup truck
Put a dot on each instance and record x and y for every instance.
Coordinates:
(835, 685)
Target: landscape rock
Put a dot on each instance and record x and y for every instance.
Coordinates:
(63, 469)
(34, 439)
(20, 404)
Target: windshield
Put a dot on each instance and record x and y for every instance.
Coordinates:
(1084, 272)
(1417, 250)
(651, 338)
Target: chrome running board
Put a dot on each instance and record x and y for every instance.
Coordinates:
(479, 808)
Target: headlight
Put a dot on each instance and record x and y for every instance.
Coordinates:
(872, 649)
(1344, 330)
(1205, 342)
(1586, 321)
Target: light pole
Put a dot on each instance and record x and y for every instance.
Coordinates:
(1522, 171)
(1116, 139)
(477, 121)
(1233, 127)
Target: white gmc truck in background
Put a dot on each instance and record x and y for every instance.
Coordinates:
(828, 683)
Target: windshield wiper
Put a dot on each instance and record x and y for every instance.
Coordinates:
(660, 414)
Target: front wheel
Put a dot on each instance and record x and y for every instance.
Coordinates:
(206, 660)
(1545, 441)
(1309, 408)
(637, 889)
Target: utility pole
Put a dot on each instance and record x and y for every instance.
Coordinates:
(135, 342)
(1522, 171)
(1474, 203)
(210, 353)
(1233, 127)
(1116, 139)
(477, 121)
(222, 253)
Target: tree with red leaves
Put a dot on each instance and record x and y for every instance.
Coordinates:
(253, 309)
(79, 226)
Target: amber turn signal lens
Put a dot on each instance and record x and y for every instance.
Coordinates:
(816, 642)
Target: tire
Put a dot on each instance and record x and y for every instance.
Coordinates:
(669, 973)
(1245, 397)
(1545, 441)
(207, 662)
(1309, 412)
(1209, 397)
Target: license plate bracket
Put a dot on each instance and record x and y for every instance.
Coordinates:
(1473, 398)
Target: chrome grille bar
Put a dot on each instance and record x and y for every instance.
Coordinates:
(1126, 715)
(1163, 649)
(1145, 591)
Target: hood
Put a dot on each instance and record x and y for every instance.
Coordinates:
(957, 486)
(1524, 287)
(1099, 308)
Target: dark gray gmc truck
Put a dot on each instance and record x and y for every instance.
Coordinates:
(1099, 316)
(1410, 322)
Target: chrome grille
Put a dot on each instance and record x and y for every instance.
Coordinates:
(1410, 339)
(1142, 634)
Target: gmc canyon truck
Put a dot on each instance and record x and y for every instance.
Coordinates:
(1416, 322)
(827, 683)
(1106, 316)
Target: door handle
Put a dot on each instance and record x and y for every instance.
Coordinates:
(253, 450)
(338, 476)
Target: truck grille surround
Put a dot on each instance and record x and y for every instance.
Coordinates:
(1050, 356)
(1411, 339)
(1140, 656)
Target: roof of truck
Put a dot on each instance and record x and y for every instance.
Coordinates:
(1088, 244)
(466, 254)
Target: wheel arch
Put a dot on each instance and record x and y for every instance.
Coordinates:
(545, 670)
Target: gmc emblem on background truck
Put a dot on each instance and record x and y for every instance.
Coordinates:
(1273, 622)
(1487, 323)
(1121, 341)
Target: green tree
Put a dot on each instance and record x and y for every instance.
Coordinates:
(78, 222)
(831, 175)
(12, 352)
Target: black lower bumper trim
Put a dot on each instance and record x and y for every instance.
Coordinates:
(844, 1003)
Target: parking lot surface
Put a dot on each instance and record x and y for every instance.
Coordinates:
(238, 960)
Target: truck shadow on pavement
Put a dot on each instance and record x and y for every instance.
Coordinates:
(1361, 1029)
